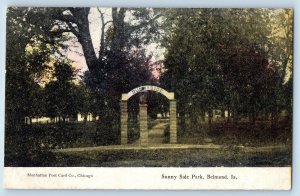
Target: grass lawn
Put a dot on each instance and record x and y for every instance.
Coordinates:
(224, 157)
(241, 146)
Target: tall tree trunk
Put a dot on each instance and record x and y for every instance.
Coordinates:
(84, 36)
(229, 114)
(222, 113)
(210, 115)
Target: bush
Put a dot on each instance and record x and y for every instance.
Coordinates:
(26, 149)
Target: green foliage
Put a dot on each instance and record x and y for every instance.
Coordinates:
(28, 150)
(28, 51)
(229, 59)
(64, 98)
(123, 63)
(34, 147)
(221, 59)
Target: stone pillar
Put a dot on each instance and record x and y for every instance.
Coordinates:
(124, 122)
(143, 125)
(173, 122)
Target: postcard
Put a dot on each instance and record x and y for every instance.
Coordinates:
(148, 98)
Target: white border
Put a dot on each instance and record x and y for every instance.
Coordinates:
(192, 178)
(159, 3)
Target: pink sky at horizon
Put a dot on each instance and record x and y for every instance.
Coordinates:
(75, 54)
(74, 50)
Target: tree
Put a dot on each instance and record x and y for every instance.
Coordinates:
(282, 41)
(282, 56)
(220, 59)
(85, 100)
(121, 63)
(191, 64)
(30, 44)
(61, 94)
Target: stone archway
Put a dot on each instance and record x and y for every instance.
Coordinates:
(143, 114)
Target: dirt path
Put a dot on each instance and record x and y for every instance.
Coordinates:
(156, 134)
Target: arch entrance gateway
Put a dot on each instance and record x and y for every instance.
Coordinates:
(143, 114)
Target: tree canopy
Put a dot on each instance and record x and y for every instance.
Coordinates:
(223, 59)
(239, 60)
